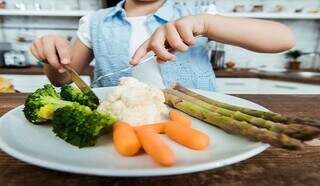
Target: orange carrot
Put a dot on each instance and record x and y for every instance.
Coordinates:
(187, 136)
(158, 127)
(125, 139)
(155, 147)
(179, 117)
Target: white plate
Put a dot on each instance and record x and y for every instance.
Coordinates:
(39, 146)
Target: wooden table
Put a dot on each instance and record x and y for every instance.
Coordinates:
(272, 167)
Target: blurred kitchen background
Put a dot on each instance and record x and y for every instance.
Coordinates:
(238, 71)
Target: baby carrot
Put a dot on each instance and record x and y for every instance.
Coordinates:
(179, 117)
(158, 127)
(125, 139)
(155, 147)
(187, 136)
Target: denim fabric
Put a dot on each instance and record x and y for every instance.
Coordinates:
(110, 36)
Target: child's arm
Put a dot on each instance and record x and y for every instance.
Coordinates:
(256, 35)
(56, 51)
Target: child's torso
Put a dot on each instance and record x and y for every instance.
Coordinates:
(148, 72)
(111, 32)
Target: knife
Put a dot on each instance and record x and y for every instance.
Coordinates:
(82, 85)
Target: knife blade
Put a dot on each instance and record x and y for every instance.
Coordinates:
(82, 85)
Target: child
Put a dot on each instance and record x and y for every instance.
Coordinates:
(111, 37)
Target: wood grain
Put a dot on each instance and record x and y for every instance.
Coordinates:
(272, 167)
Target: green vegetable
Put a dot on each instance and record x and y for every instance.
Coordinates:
(40, 105)
(73, 94)
(80, 126)
(271, 116)
(301, 132)
(231, 125)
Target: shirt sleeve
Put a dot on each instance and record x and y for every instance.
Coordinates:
(84, 30)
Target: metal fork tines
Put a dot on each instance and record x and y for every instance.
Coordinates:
(148, 59)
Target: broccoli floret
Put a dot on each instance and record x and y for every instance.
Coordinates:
(70, 93)
(40, 105)
(80, 126)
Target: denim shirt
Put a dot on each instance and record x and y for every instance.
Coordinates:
(110, 35)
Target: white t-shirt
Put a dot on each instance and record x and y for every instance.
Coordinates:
(148, 72)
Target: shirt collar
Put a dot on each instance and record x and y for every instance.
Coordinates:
(166, 12)
(117, 9)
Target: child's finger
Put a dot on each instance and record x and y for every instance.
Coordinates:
(50, 53)
(160, 61)
(162, 53)
(34, 52)
(174, 39)
(157, 45)
(39, 48)
(186, 33)
(140, 53)
(63, 50)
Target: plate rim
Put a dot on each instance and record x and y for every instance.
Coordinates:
(166, 171)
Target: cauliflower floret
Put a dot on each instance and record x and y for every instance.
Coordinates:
(135, 102)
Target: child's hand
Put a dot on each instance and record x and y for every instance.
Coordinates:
(54, 50)
(177, 35)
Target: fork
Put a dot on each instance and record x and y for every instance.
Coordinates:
(148, 59)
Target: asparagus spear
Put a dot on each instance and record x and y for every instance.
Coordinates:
(260, 114)
(301, 132)
(233, 126)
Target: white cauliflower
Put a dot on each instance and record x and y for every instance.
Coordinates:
(135, 102)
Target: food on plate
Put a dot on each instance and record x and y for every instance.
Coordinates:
(80, 126)
(125, 139)
(159, 151)
(76, 124)
(235, 121)
(75, 119)
(271, 116)
(179, 117)
(233, 126)
(70, 93)
(158, 127)
(6, 86)
(40, 105)
(301, 132)
(135, 102)
(187, 136)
